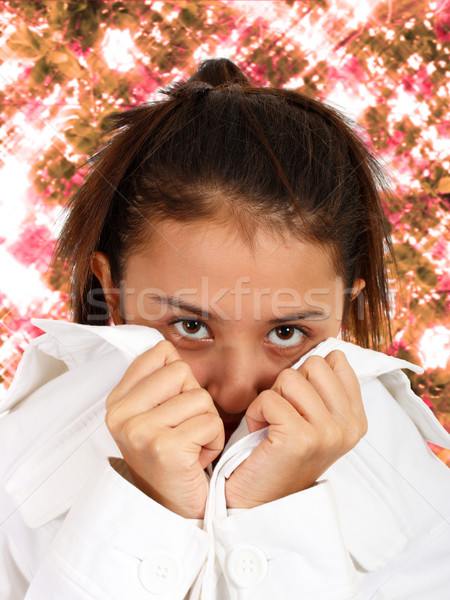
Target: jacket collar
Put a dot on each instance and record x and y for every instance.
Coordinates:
(45, 482)
(66, 346)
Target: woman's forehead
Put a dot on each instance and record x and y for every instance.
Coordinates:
(207, 248)
(205, 266)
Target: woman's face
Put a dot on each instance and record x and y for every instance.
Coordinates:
(236, 315)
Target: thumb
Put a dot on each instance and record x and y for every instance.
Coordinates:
(254, 415)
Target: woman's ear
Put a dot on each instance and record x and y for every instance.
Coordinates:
(101, 268)
(358, 286)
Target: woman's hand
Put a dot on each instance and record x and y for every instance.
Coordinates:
(315, 415)
(167, 429)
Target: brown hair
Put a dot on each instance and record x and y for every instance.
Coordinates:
(217, 145)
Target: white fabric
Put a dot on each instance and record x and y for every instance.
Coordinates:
(377, 524)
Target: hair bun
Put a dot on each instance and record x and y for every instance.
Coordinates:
(219, 72)
(214, 73)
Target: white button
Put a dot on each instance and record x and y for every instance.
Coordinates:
(160, 572)
(247, 566)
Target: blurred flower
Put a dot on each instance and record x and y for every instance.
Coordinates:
(442, 26)
(444, 283)
(418, 83)
(34, 247)
(350, 71)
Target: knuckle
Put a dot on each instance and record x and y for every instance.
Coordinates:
(157, 354)
(337, 360)
(110, 399)
(112, 422)
(314, 360)
(286, 377)
(266, 395)
(311, 364)
(204, 398)
(133, 436)
(215, 422)
(181, 368)
(158, 448)
(164, 346)
(337, 356)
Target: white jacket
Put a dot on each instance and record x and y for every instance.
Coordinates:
(73, 527)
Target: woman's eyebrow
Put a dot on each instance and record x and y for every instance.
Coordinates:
(304, 315)
(175, 302)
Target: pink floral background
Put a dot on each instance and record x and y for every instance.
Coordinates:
(65, 66)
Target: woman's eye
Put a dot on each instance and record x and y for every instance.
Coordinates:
(285, 335)
(192, 328)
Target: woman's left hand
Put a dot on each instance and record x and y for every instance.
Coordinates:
(315, 415)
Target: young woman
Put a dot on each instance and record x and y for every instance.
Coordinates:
(220, 441)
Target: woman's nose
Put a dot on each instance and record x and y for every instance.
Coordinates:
(236, 379)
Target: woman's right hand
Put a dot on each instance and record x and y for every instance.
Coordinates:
(167, 428)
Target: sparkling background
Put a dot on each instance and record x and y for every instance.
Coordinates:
(64, 66)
